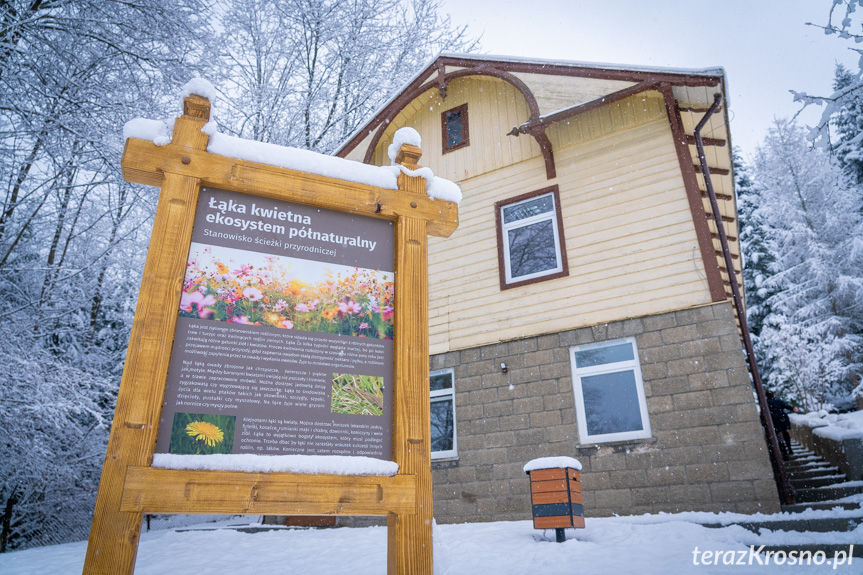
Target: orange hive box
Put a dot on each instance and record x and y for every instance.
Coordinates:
(555, 492)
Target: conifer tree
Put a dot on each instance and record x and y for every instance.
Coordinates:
(812, 229)
(847, 122)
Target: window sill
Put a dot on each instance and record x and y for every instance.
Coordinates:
(444, 462)
(618, 445)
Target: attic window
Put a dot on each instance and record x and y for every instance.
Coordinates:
(530, 241)
(454, 128)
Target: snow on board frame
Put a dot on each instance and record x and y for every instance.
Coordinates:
(131, 486)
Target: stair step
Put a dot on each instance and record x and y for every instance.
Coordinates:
(819, 505)
(813, 472)
(803, 457)
(804, 460)
(827, 493)
(807, 466)
(822, 525)
(823, 481)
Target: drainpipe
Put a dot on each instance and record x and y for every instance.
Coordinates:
(786, 490)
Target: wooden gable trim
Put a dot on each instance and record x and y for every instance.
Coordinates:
(441, 82)
(706, 141)
(567, 113)
(713, 171)
(505, 70)
(693, 195)
(421, 86)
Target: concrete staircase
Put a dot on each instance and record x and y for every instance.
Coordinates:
(819, 486)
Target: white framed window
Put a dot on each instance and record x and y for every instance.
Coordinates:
(609, 393)
(531, 246)
(442, 397)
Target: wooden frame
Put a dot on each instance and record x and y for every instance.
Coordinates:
(465, 128)
(130, 487)
(501, 257)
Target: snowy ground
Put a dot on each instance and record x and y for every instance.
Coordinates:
(647, 545)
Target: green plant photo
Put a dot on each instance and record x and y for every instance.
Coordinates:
(357, 394)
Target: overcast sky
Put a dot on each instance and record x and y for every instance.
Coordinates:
(764, 45)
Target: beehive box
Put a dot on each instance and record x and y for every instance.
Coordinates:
(556, 498)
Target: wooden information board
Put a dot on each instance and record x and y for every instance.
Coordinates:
(130, 486)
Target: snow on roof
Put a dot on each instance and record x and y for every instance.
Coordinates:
(711, 71)
(248, 462)
(552, 463)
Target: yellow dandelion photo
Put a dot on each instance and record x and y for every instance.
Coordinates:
(205, 432)
(202, 433)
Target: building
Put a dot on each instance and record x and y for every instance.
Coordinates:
(582, 306)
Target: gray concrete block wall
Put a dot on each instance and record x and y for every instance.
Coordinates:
(707, 452)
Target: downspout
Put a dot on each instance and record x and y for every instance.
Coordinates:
(786, 490)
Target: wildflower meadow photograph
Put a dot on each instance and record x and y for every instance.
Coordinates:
(225, 284)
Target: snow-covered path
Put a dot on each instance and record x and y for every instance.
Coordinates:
(648, 545)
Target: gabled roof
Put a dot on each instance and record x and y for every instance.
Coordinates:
(557, 90)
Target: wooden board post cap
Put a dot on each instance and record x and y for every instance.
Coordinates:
(196, 106)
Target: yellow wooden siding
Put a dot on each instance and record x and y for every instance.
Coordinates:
(494, 108)
(630, 241)
(358, 153)
(627, 113)
(554, 93)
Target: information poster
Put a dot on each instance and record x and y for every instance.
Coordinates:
(284, 336)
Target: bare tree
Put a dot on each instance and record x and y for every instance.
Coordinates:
(72, 72)
(306, 73)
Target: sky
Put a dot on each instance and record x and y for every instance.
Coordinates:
(765, 46)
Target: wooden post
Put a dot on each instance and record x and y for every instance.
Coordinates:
(113, 543)
(410, 536)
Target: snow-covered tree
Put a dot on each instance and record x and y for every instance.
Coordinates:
(72, 237)
(757, 257)
(847, 125)
(74, 234)
(306, 73)
(842, 21)
(810, 223)
(53, 416)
